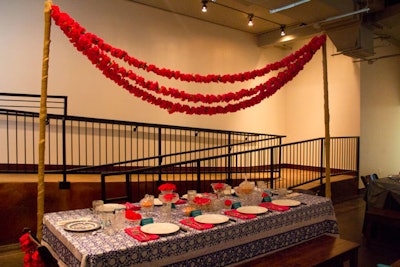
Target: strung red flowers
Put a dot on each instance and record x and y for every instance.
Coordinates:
(31, 257)
(97, 51)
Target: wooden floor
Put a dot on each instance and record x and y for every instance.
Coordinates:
(349, 215)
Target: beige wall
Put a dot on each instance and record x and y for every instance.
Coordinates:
(174, 42)
(380, 115)
(189, 45)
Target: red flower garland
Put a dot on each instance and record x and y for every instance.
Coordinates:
(93, 47)
(31, 257)
(74, 30)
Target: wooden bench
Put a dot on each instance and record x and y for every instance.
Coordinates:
(379, 218)
(321, 251)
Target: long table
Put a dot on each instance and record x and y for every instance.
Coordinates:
(223, 245)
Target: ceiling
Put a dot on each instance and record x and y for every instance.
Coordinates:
(353, 26)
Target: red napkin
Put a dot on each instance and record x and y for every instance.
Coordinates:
(180, 201)
(130, 206)
(136, 233)
(235, 213)
(196, 225)
(272, 206)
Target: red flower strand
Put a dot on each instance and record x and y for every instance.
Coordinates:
(74, 30)
(84, 42)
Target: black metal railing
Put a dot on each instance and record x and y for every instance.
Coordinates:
(90, 145)
(153, 153)
(281, 166)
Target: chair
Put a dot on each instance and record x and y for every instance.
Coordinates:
(365, 181)
(368, 178)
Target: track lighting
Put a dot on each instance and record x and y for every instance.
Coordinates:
(204, 7)
(283, 33)
(288, 6)
(250, 20)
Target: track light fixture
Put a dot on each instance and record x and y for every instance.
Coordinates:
(204, 7)
(250, 23)
(250, 16)
(288, 6)
(283, 33)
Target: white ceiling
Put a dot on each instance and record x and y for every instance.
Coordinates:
(347, 22)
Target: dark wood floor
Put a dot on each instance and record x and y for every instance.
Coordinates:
(349, 214)
(350, 217)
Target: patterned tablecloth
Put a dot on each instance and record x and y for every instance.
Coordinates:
(225, 244)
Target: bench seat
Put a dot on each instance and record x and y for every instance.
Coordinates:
(321, 251)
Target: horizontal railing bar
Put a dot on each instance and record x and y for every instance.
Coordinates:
(200, 159)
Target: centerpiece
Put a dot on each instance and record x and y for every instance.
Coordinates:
(202, 203)
(167, 199)
(219, 189)
(167, 188)
(147, 204)
(244, 191)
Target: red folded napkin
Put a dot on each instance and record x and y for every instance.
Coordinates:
(130, 206)
(196, 225)
(272, 206)
(136, 233)
(180, 201)
(235, 213)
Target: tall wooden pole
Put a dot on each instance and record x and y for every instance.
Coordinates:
(42, 118)
(327, 134)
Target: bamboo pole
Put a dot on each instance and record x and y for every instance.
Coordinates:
(42, 118)
(327, 134)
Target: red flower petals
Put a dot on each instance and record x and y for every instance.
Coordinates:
(167, 187)
(96, 50)
(228, 202)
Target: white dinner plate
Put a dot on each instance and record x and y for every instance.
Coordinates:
(211, 218)
(82, 226)
(276, 191)
(160, 228)
(110, 207)
(185, 196)
(286, 202)
(252, 210)
(157, 202)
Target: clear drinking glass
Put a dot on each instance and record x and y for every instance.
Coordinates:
(191, 194)
(96, 204)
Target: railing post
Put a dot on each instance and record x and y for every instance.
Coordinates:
(321, 169)
(229, 177)
(271, 169)
(159, 154)
(358, 157)
(64, 184)
(128, 187)
(198, 176)
(280, 157)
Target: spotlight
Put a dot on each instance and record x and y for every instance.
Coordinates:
(250, 20)
(204, 7)
(283, 33)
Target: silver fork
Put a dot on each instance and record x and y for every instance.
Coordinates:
(194, 223)
(144, 236)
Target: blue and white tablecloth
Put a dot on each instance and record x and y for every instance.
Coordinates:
(223, 245)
